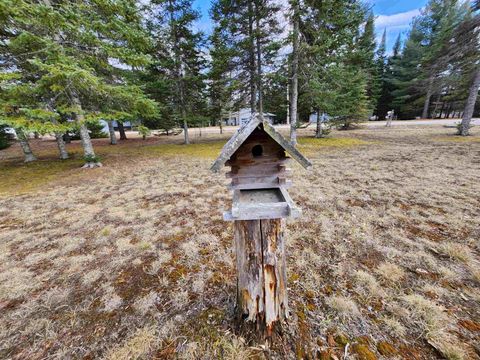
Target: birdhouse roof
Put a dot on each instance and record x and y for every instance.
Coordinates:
(242, 134)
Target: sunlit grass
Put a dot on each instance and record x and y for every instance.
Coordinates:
(458, 139)
(17, 177)
(201, 150)
(310, 144)
(337, 142)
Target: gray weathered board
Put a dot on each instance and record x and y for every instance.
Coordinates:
(261, 204)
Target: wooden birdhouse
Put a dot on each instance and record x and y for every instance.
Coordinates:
(258, 155)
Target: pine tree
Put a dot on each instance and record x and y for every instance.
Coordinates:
(437, 23)
(407, 99)
(251, 28)
(464, 52)
(222, 52)
(385, 102)
(176, 79)
(367, 61)
(332, 80)
(63, 58)
(381, 76)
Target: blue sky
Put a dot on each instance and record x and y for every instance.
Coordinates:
(393, 15)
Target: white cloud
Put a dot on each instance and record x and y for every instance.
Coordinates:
(397, 21)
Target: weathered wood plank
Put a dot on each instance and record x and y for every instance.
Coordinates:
(259, 186)
(255, 174)
(294, 211)
(264, 160)
(255, 179)
(261, 211)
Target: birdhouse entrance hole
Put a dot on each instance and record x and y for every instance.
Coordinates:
(257, 151)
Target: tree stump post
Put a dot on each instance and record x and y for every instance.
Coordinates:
(261, 270)
(257, 157)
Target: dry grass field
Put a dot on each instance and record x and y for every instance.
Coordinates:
(134, 261)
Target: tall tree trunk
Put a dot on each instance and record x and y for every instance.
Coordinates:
(251, 59)
(433, 114)
(27, 151)
(85, 138)
(181, 85)
(442, 109)
(111, 131)
(58, 135)
(449, 109)
(121, 130)
(61, 146)
(186, 138)
(259, 61)
(288, 103)
(88, 151)
(470, 104)
(444, 104)
(319, 132)
(179, 77)
(294, 87)
(426, 105)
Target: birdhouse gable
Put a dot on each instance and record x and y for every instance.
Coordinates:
(258, 148)
(257, 144)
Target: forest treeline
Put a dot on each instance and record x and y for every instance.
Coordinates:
(67, 64)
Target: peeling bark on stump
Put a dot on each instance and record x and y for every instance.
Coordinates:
(261, 271)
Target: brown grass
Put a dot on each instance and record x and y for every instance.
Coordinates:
(133, 260)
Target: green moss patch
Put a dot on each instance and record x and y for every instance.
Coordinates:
(18, 178)
(310, 144)
(363, 352)
(386, 349)
(457, 139)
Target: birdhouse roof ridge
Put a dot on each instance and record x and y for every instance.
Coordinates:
(244, 132)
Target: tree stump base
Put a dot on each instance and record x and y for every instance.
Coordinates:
(261, 270)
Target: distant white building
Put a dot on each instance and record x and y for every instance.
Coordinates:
(126, 124)
(242, 116)
(314, 117)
